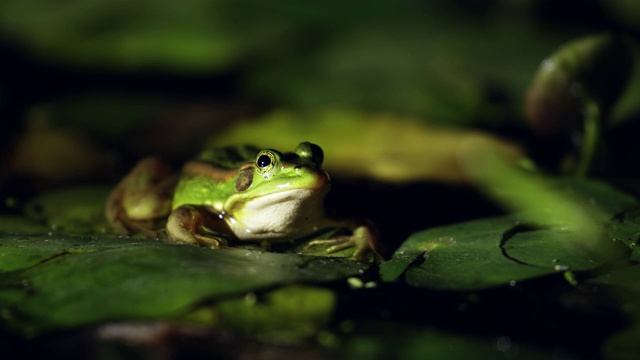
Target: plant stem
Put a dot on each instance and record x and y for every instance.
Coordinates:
(591, 137)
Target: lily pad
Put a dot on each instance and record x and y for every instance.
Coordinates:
(464, 256)
(554, 249)
(148, 281)
(498, 251)
(19, 251)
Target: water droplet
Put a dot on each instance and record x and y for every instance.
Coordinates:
(370, 285)
(561, 268)
(513, 283)
(354, 282)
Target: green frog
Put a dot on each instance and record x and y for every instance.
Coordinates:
(235, 194)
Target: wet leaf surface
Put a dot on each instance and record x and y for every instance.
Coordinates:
(459, 257)
(504, 250)
(148, 281)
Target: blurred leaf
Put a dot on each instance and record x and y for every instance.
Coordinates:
(14, 224)
(595, 67)
(627, 279)
(387, 340)
(493, 252)
(197, 35)
(580, 206)
(361, 144)
(108, 113)
(75, 209)
(149, 281)
(421, 58)
(623, 345)
(57, 155)
(286, 315)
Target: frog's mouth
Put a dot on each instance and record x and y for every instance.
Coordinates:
(278, 202)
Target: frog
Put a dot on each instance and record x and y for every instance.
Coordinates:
(237, 194)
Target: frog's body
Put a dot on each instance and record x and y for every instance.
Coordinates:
(240, 193)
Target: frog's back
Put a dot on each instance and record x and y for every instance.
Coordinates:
(208, 180)
(229, 157)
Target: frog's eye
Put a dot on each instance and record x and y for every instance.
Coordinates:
(266, 163)
(263, 161)
(307, 150)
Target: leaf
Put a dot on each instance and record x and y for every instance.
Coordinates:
(148, 281)
(459, 257)
(496, 251)
(374, 340)
(74, 209)
(19, 251)
(549, 248)
(623, 345)
(627, 278)
(287, 315)
(344, 133)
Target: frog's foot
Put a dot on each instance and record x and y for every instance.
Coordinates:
(362, 238)
(190, 224)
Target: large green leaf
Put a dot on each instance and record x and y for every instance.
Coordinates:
(498, 251)
(459, 257)
(146, 281)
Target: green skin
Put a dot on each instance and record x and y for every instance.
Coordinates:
(241, 193)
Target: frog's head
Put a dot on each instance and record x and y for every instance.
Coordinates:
(279, 195)
(274, 172)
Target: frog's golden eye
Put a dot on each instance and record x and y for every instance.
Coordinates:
(266, 163)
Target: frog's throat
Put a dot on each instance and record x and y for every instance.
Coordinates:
(279, 216)
(215, 173)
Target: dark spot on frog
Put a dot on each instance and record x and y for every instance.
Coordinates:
(244, 179)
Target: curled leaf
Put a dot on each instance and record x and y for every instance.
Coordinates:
(594, 67)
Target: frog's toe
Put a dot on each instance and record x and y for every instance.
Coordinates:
(210, 242)
(356, 240)
(341, 243)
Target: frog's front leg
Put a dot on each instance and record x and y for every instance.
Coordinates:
(364, 238)
(195, 225)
